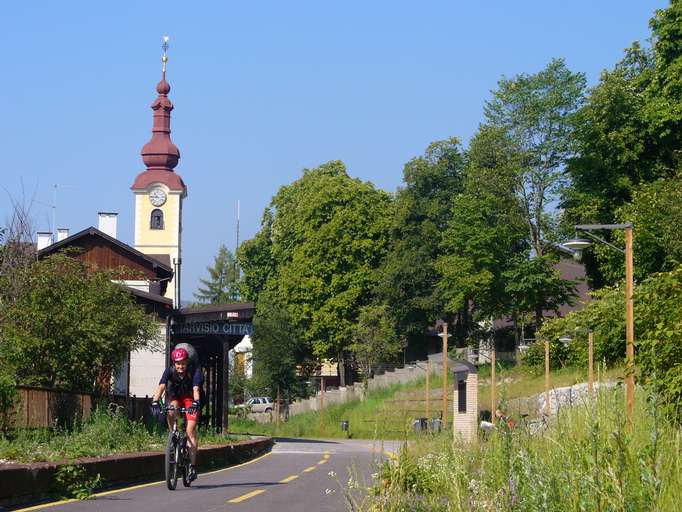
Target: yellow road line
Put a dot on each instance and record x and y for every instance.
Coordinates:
(309, 469)
(134, 487)
(246, 496)
(323, 461)
(288, 479)
(38, 507)
(326, 455)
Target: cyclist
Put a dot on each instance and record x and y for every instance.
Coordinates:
(182, 386)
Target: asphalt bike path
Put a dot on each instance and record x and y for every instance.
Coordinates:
(297, 475)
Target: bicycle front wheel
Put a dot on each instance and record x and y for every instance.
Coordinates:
(185, 464)
(171, 465)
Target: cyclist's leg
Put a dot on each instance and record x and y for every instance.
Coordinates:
(170, 415)
(193, 441)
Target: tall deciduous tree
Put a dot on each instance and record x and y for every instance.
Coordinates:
(408, 276)
(222, 283)
(485, 230)
(323, 237)
(535, 112)
(629, 133)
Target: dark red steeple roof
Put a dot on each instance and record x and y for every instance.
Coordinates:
(160, 155)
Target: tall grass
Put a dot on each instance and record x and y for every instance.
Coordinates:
(587, 459)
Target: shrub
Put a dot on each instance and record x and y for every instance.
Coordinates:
(8, 397)
(658, 333)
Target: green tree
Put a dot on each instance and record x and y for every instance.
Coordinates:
(222, 284)
(535, 112)
(256, 261)
(70, 326)
(656, 212)
(375, 339)
(628, 133)
(276, 350)
(484, 232)
(408, 276)
(322, 239)
(535, 286)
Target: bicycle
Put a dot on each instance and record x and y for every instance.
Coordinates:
(177, 452)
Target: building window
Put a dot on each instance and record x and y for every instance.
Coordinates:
(156, 221)
(461, 396)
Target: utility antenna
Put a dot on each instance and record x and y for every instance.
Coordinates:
(237, 247)
(54, 209)
(238, 271)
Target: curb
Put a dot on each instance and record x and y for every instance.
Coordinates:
(24, 483)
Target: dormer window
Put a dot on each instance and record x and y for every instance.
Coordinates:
(156, 221)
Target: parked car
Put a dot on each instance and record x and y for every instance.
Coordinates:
(257, 404)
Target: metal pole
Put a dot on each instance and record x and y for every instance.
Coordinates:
(277, 409)
(547, 408)
(590, 362)
(445, 375)
(629, 327)
(493, 380)
(428, 388)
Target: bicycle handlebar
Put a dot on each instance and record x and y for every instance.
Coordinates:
(178, 409)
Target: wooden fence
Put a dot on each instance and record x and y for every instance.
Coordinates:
(44, 407)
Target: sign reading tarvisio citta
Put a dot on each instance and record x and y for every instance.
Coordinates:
(214, 328)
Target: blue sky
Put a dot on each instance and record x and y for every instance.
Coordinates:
(262, 90)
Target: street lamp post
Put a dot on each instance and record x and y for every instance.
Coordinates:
(547, 406)
(445, 337)
(578, 245)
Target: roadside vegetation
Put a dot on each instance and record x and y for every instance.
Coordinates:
(106, 432)
(368, 419)
(381, 416)
(586, 459)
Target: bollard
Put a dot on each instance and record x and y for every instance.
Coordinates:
(344, 426)
(420, 425)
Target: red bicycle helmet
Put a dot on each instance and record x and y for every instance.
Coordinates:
(179, 354)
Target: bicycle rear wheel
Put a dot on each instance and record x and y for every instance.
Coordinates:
(171, 465)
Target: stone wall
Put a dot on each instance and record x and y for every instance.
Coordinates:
(408, 373)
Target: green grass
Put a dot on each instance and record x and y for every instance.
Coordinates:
(367, 418)
(105, 433)
(587, 459)
(377, 418)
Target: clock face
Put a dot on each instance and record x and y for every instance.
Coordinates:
(157, 197)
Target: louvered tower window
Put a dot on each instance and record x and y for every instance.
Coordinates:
(156, 221)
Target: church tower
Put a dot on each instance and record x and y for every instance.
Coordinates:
(159, 191)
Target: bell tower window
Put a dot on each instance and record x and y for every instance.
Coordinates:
(156, 221)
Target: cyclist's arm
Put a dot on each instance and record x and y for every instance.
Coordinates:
(162, 386)
(196, 384)
(159, 391)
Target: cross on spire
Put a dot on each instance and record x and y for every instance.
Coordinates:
(164, 58)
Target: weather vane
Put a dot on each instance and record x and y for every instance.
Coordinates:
(164, 59)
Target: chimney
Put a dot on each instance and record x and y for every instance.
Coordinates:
(44, 239)
(62, 233)
(107, 223)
